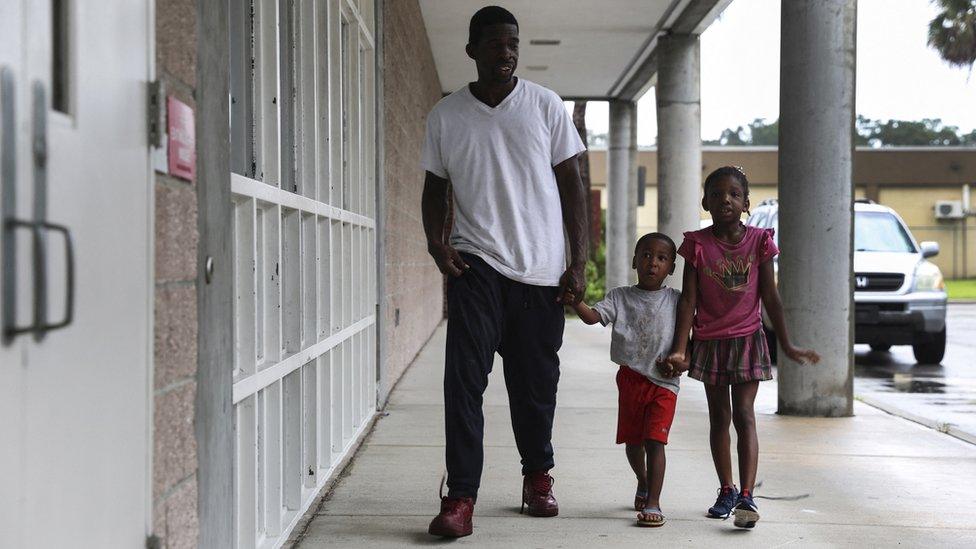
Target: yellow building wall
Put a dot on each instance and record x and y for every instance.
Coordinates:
(956, 238)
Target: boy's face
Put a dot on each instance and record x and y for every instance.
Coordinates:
(654, 262)
(496, 53)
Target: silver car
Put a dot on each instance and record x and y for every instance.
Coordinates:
(899, 295)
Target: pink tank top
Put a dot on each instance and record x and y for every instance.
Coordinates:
(728, 281)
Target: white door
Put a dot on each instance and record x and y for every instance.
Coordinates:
(75, 400)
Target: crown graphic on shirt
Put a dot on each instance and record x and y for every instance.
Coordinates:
(732, 272)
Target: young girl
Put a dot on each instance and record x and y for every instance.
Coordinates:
(728, 269)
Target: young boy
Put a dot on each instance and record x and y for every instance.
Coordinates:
(643, 318)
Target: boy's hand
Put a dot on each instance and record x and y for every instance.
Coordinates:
(803, 356)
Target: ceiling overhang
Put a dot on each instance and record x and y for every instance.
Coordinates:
(581, 49)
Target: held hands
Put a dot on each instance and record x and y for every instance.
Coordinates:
(447, 258)
(802, 356)
(571, 285)
(673, 365)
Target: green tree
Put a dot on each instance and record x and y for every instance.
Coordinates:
(757, 132)
(762, 133)
(868, 132)
(925, 132)
(953, 32)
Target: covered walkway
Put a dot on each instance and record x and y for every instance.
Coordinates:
(870, 478)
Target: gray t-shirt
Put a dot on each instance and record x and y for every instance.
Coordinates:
(500, 163)
(643, 329)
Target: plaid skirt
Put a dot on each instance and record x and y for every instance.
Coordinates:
(731, 361)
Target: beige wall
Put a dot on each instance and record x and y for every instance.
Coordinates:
(909, 180)
(412, 304)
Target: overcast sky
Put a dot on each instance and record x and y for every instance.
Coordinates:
(898, 75)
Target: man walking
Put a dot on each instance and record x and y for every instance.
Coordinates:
(507, 147)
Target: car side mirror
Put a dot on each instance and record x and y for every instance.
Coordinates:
(930, 248)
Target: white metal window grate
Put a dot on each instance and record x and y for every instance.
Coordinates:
(303, 187)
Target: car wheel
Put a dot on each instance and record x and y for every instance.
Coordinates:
(881, 347)
(932, 351)
(771, 343)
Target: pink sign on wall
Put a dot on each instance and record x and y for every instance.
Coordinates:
(181, 145)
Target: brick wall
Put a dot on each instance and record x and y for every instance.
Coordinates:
(412, 305)
(175, 520)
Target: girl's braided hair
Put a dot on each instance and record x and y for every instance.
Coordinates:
(734, 172)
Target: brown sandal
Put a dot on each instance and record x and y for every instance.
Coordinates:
(643, 518)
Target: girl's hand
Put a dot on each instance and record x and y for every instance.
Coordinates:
(679, 363)
(803, 356)
(664, 367)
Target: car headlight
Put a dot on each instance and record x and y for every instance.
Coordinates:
(928, 277)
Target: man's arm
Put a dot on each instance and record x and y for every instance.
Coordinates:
(434, 208)
(573, 204)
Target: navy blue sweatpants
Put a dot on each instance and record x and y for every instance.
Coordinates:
(488, 312)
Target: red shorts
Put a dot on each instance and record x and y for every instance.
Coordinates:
(645, 410)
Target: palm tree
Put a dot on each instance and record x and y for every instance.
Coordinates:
(953, 32)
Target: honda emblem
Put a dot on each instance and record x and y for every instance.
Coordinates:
(861, 281)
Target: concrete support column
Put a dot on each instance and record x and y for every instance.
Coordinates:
(817, 67)
(621, 193)
(679, 156)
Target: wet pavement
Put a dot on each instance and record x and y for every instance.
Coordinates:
(940, 396)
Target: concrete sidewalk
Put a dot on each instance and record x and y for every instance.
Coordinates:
(872, 479)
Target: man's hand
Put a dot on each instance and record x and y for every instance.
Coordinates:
(448, 259)
(571, 285)
(803, 356)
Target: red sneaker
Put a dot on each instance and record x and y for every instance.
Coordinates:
(454, 521)
(537, 495)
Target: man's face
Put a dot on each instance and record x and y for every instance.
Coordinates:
(496, 53)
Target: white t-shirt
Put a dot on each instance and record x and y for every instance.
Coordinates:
(499, 161)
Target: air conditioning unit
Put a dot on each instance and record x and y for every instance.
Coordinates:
(948, 209)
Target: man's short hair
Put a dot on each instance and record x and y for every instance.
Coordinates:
(488, 15)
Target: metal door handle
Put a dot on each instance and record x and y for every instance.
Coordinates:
(8, 202)
(39, 324)
(38, 227)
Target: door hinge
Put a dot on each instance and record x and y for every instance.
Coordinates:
(155, 113)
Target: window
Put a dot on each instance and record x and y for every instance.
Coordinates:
(880, 232)
(60, 56)
(302, 183)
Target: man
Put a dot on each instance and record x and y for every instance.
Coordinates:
(508, 149)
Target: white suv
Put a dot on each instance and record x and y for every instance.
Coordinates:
(899, 295)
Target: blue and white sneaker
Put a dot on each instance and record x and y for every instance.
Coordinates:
(727, 497)
(746, 512)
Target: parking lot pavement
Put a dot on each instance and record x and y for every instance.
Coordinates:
(940, 396)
